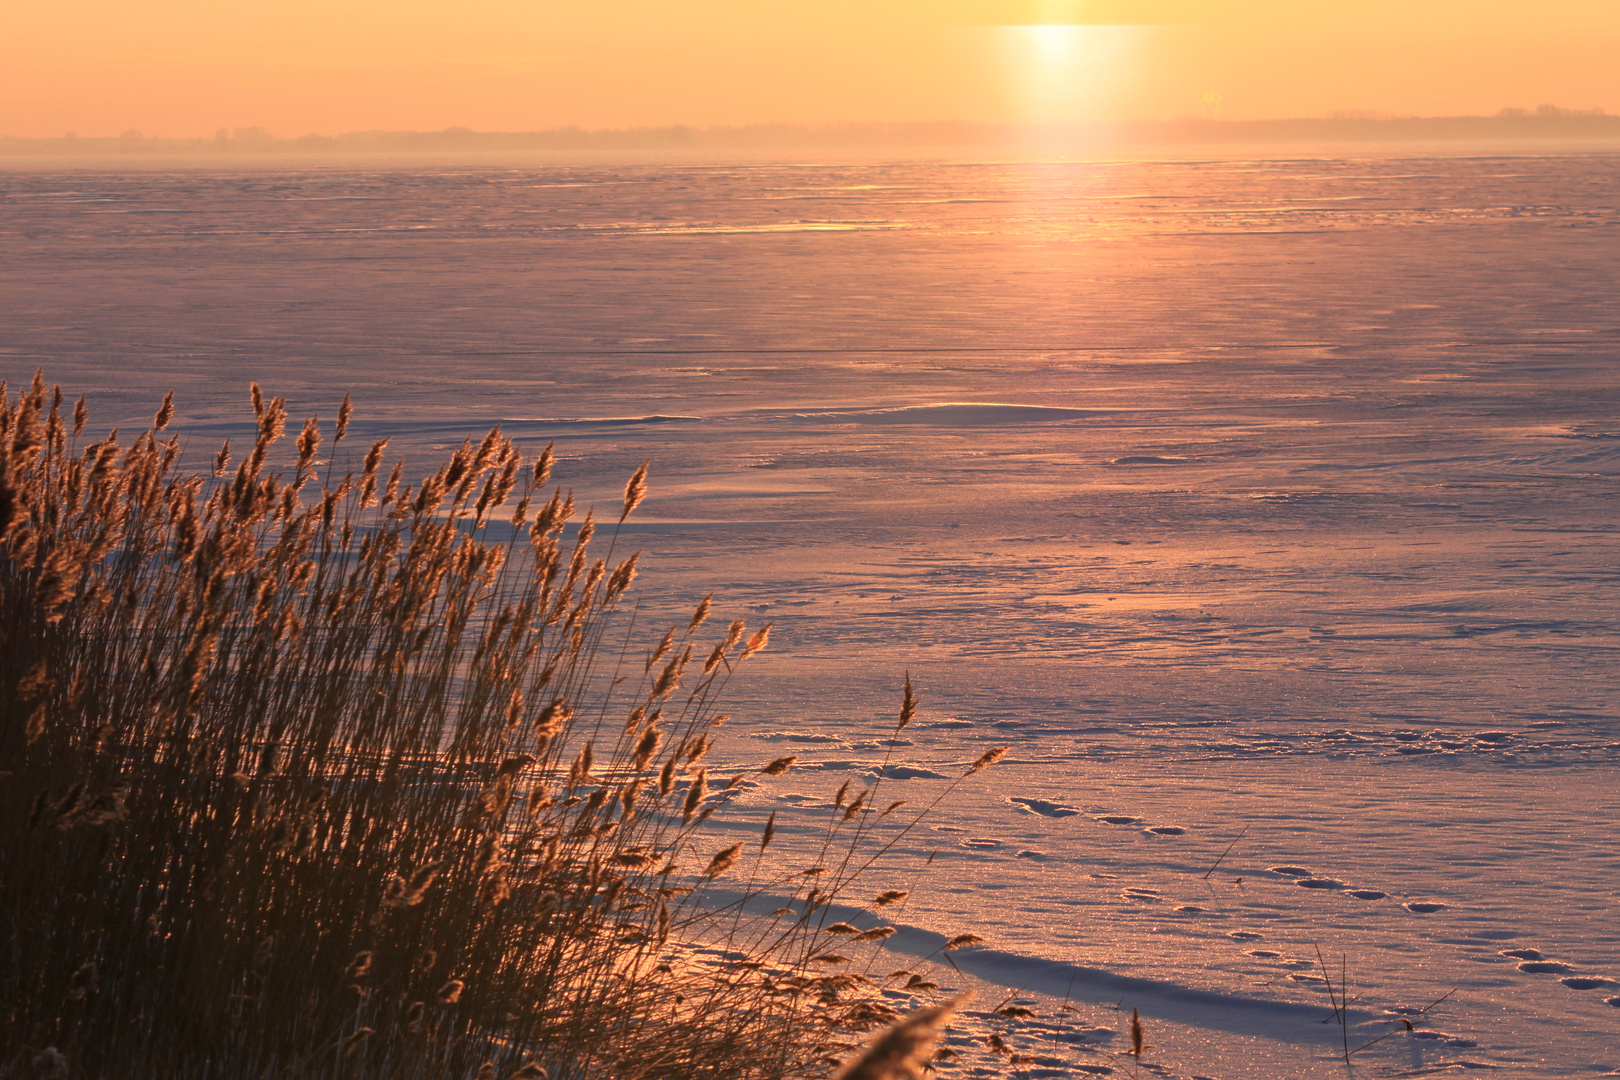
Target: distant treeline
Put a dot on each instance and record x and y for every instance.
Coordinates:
(1544, 123)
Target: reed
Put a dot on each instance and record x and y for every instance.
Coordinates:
(314, 772)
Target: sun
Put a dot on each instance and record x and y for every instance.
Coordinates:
(1064, 72)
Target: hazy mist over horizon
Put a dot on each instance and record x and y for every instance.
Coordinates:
(177, 69)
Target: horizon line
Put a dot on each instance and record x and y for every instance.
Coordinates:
(1511, 120)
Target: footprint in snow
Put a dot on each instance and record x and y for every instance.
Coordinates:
(1367, 894)
(1191, 909)
(982, 843)
(1523, 954)
(1264, 954)
(1423, 907)
(1441, 1036)
(1289, 871)
(1319, 883)
(1614, 1002)
(905, 772)
(1245, 935)
(1545, 967)
(1148, 896)
(1044, 808)
(1118, 819)
(1165, 830)
(1587, 982)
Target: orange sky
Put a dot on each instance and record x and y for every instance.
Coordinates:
(187, 67)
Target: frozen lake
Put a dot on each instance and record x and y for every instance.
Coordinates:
(1259, 498)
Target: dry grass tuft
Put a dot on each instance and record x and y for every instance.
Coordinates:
(313, 773)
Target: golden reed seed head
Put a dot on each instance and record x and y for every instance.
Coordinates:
(714, 659)
(635, 490)
(543, 464)
(723, 860)
(553, 718)
(758, 641)
(664, 645)
(374, 457)
(345, 410)
(622, 577)
(987, 759)
(694, 795)
(646, 747)
(165, 412)
(780, 765)
(908, 705)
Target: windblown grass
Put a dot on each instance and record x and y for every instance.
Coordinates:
(308, 774)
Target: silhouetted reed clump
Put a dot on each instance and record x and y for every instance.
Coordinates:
(306, 774)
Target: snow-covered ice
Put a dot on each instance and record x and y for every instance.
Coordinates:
(1264, 506)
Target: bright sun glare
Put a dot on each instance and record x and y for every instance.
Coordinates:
(1059, 72)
